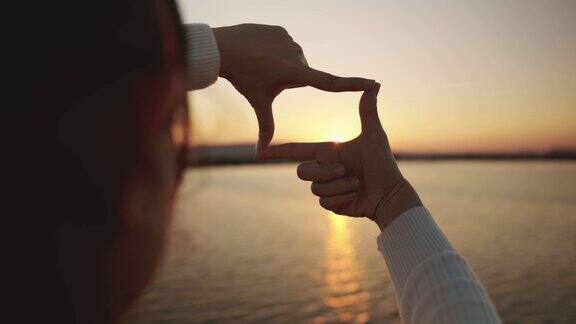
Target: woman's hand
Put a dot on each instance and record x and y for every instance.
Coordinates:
(261, 61)
(371, 186)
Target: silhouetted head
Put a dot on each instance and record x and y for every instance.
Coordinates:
(95, 154)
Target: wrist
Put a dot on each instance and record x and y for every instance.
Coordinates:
(402, 200)
(219, 35)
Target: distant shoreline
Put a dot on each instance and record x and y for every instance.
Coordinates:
(245, 154)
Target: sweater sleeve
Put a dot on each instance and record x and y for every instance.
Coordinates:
(203, 57)
(433, 283)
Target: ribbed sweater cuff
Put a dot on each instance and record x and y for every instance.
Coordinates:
(408, 241)
(203, 56)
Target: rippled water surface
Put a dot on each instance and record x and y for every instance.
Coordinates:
(251, 244)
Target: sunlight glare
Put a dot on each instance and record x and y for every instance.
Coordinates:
(344, 296)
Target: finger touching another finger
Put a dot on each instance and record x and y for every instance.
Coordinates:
(328, 82)
(336, 187)
(313, 171)
(335, 202)
(369, 112)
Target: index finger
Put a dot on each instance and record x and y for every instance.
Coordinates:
(328, 82)
(292, 151)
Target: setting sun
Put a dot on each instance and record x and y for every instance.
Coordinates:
(338, 138)
(332, 137)
(338, 131)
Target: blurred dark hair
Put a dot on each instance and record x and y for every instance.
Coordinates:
(73, 137)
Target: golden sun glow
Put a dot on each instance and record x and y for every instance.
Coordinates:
(345, 297)
(338, 134)
(338, 138)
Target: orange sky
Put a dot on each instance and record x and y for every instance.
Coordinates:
(456, 75)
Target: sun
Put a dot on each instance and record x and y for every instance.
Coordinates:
(332, 133)
(339, 135)
(338, 138)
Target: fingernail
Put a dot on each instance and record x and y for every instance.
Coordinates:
(340, 171)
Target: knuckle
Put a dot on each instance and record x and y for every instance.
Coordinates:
(297, 48)
(280, 29)
(352, 181)
(337, 171)
(331, 80)
(284, 65)
(266, 127)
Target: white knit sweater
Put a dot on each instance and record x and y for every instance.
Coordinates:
(203, 56)
(433, 282)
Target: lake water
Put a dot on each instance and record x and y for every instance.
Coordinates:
(251, 244)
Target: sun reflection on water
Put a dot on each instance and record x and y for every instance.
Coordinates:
(347, 301)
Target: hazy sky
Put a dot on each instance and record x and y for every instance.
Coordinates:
(456, 75)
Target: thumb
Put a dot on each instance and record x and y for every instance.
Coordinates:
(369, 113)
(263, 109)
